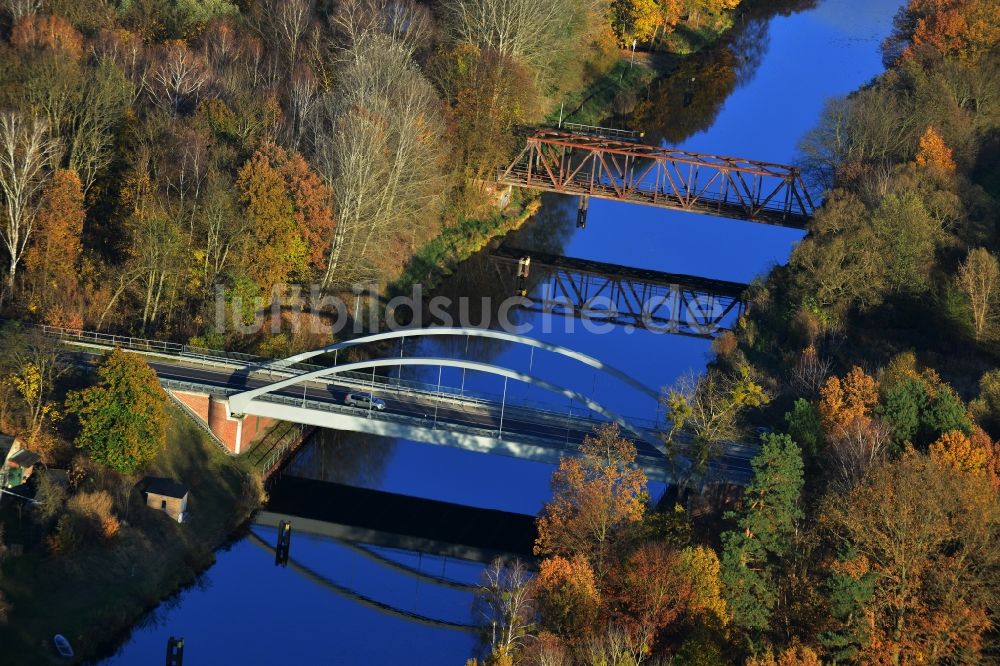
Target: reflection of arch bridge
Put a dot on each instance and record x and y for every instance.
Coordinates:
(437, 414)
(386, 608)
(638, 298)
(379, 526)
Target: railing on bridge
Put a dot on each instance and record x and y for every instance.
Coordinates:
(377, 383)
(584, 164)
(647, 299)
(603, 132)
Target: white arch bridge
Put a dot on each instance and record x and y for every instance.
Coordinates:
(293, 390)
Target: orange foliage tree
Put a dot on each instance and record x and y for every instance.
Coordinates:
(53, 259)
(975, 454)
(311, 200)
(568, 599)
(660, 585)
(962, 28)
(52, 32)
(843, 401)
(933, 153)
(928, 532)
(598, 502)
(278, 252)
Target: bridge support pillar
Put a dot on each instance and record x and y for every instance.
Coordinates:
(212, 412)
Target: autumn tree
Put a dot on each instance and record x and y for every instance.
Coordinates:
(933, 153)
(659, 586)
(123, 418)
(974, 454)
(766, 522)
(569, 601)
(643, 19)
(274, 252)
(965, 29)
(490, 95)
(598, 502)
(53, 259)
(979, 279)
(843, 401)
(928, 533)
(36, 363)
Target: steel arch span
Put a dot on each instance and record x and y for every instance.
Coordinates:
(241, 403)
(458, 331)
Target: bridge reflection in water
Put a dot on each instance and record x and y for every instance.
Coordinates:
(386, 529)
(632, 297)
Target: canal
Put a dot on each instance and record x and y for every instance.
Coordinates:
(348, 604)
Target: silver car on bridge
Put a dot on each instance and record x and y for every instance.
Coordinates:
(364, 401)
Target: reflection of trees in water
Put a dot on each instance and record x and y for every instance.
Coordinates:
(688, 99)
(476, 290)
(343, 457)
(749, 45)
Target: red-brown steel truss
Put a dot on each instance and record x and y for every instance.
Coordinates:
(584, 164)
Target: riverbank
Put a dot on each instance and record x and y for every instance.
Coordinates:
(96, 593)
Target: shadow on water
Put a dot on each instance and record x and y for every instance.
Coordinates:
(343, 457)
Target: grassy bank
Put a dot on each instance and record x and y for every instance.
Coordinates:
(96, 592)
(439, 257)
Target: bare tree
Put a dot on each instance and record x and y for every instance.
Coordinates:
(26, 151)
(288, 21)
(405, 22)
(616, 646)
(302, 95)
(506, 605)
(858, 134)
(379, 143)
(105, 96)
(528, 30)
(856, 448)
(178, 78)
(18, 9)
(979, 278)
(810, 372)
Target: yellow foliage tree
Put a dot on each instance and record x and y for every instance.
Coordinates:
(933, 153)
(976, 453)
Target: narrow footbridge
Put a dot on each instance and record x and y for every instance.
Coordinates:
(638, 298)
(228, 391)
(606, 168)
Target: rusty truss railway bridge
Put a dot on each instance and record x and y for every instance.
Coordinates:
(640, 298)
(590, 165)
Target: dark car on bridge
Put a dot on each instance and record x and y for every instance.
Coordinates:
(364, 400)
